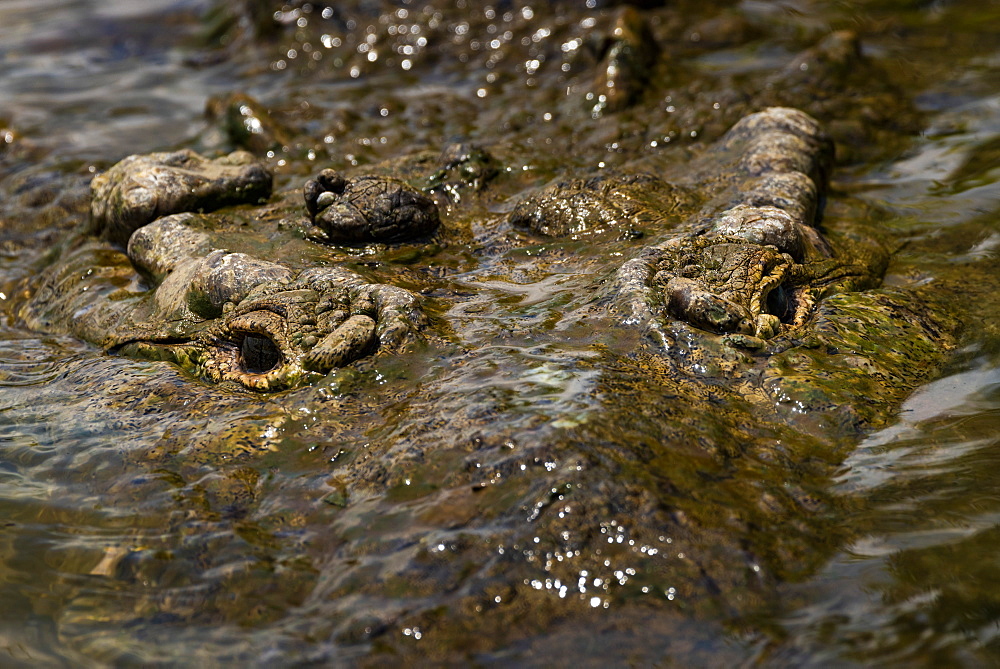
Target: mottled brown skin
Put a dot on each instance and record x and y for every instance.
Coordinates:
(285, 333)
(724, 284)
(762, 264)
(266, 326)
(654, 452)
(224, 316)
(754, 269)
(580, 207)
(140, 189)
(367, 209)
(245, 320)
(755, 265)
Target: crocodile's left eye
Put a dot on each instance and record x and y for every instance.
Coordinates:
(258, 354)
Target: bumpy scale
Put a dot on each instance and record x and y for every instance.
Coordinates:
(367, 209)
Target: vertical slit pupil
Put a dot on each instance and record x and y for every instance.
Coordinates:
(259, 353)
(778, 305)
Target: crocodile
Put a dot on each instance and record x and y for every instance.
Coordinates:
(747, 269)
(718, 308)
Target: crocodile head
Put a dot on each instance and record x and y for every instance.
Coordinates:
(223, 316)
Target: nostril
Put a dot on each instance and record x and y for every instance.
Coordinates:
(258, 354)
(332, 181)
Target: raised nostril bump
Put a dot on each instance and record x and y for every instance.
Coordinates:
(311, 192)
(332, 181)
(324, 190)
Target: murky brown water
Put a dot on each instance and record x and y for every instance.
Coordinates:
(523, 487)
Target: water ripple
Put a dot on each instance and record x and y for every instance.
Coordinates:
(27, 361)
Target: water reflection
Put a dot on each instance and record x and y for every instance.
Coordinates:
(916, 587)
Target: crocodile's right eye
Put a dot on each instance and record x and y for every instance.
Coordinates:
(251, 350)
(778, 304)
(258, 354)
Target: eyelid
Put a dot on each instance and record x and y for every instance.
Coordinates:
(229, 337)
(264, 322)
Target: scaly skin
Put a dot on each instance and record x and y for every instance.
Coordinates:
(140, 189)
(226, 317)
(759, 267)
(753, 271)
(580, 207)
(367, 209)
(657, 414)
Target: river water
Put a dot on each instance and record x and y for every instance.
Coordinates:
(521, 488)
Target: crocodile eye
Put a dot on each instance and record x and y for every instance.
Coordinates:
(258, 354)
(778, 304)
